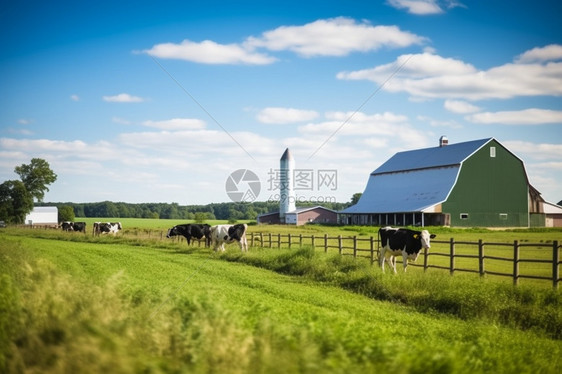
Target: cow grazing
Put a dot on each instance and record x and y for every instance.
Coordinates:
(224, 234)
(107, 228)
(190, 231)
(79, 226)
(67, 226)
(405, 242)
(74, 226)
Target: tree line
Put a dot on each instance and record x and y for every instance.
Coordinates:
(17, 200)
(221, 211)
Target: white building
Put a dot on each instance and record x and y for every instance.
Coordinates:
(43, 216)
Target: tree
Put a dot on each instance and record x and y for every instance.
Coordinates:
(200, 217)
(36, 177)
(355, 198)
(15, 201)
(66, 213)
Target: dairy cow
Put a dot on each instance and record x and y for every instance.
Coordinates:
(74, 226)
(405, 242)
(106, 228)
(224, 234)
(189, 231)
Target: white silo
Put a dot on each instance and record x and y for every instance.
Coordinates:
(286, 188)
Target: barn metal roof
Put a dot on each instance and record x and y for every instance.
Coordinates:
(452, 154)
(415, 181)
(409, 191)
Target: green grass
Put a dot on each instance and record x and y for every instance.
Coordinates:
(120, 306)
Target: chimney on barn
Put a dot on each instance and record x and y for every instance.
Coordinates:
(443, 141)
(286, 191)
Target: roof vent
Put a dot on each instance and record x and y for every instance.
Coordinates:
(443, 141)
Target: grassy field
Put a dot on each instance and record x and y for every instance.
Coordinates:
(155, 229)
(75, 303)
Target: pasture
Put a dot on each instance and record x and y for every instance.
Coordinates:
(77, 303)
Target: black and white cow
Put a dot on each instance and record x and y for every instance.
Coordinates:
(79, 226)
(405, 242)
(67, 226)
(107, 228)
(74, 226)
(224, 234)
(192, 230)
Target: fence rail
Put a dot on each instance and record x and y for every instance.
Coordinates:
(483, 254)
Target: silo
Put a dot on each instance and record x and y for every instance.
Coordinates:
(286, 188)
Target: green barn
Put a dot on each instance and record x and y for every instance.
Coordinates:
(478, 183)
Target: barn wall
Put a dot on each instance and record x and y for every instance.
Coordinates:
(538, 220)
(490, 191)
(271, 219)
(317, 216)
(553, 220)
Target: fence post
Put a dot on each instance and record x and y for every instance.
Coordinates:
(300, 240)
(339, 244)
(326, 243)
(425, 258)
(555, 259)
(289, 236)
(452, 259)
(312, 241)
(515, 262)
(481, 268)
(372, 242)
(270, 241)
(278, 240)
(354, 246)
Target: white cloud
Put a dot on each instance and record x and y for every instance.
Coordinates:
(209, 52)
(461, 107)
(74, 97)
(413, 66)
(123, 98)
(326, 37)
(419, 7)
(121, 121)
(24, 121)
(431, 76)
(440, 123)
(333, 37)
(277, 115)
(551, 52)
(424, 7)
(531, 116)
(385, 126)
(536, 151)
(177, 124)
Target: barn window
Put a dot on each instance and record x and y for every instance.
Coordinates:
(492, 151)
(503, 216)
(464, 215)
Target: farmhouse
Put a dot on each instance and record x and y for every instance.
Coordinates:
(301, 216)
(43, 216)
(474, 183)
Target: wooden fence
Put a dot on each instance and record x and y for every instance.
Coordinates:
(525, 260)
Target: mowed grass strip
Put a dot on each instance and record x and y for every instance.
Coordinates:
(91, 307)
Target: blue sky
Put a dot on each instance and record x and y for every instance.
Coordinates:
(161, 101)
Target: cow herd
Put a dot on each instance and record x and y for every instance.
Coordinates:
(394, 241)
(98, 228)
(215, 236)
